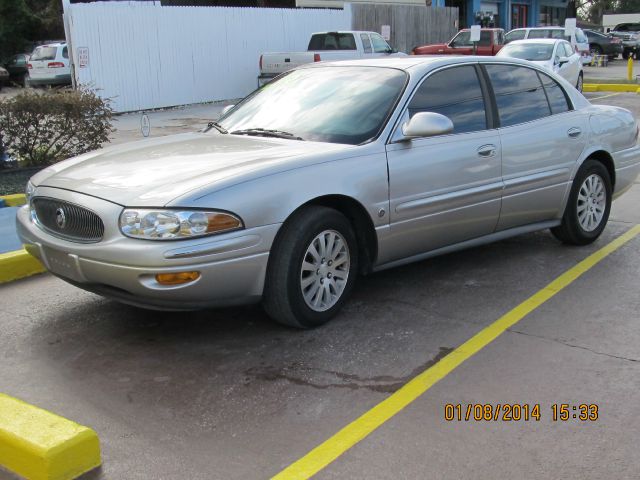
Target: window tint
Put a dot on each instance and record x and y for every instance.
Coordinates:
(379, 44)
(555, 94)
(519, 94)
(455, 93)
(332, 41)
(514, 35)
(366, 43)
(485, 39)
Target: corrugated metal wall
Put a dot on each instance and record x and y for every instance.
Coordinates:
(145, 56)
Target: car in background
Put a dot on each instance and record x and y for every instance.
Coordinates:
(331, 171)
(629, 34)
(602, 44)
(49, 65)
(579, 40)
(491, 41)
(557, 56)
(17, 68)
(4, 77)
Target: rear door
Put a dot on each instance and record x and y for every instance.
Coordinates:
(542, 139)
(447, 188)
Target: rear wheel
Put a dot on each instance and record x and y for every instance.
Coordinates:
(625, 54)
(588, 207)
(312, 269)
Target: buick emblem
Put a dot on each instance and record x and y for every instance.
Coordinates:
(61, 219)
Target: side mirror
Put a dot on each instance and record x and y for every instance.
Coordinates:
(562, 60)
(426, 124)
(226, 109)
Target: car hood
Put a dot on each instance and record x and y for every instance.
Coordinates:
(153, 172)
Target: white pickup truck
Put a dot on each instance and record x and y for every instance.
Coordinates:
(326, 46)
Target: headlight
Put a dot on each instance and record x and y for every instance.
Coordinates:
(175, 224)
(29, 191)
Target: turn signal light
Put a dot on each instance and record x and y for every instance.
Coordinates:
(316, 57)
(177, 278)
(55, 65)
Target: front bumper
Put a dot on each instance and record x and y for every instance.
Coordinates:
(232, 266)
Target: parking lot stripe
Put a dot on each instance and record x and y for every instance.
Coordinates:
(604, 96)
(40, 445)
(335, 446)
(18, 264)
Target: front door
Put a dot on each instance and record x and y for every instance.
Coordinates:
(447, 188)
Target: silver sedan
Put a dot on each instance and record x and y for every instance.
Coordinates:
(332, 171)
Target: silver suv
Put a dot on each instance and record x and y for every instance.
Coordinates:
(629, 33)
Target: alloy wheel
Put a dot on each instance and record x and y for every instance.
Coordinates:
(592, 202)
(325, 270)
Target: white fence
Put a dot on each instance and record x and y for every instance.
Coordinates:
(144, 56)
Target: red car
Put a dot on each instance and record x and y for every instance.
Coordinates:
(491, 41)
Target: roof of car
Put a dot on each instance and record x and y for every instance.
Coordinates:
(53, 44)
(411, 62)
(538, 40)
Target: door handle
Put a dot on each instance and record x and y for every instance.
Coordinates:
(487, 151)
(574, 132)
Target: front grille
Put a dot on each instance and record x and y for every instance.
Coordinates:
(67, 220)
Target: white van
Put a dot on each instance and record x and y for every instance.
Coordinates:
(579, 41)
(49, 65)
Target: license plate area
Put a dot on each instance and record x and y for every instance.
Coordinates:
(62, 264)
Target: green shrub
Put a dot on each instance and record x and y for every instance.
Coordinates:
(41, 129)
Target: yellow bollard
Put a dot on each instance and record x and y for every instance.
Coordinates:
(630, 68)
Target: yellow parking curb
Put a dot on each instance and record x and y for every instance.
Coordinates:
(15, 200)
(18, 264)
(40, 445)
(610, 87)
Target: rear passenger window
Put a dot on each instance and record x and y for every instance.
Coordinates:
(519, 94)
(366, 43)
(455, 93)
(557, 98)
(65, 53)
(568, 50)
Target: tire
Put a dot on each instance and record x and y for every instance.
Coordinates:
(595, 49)
(625, 54)
(580, 82)
(289, 271)
(583, 222)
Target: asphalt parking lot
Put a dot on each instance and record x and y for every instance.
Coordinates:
(227, 394)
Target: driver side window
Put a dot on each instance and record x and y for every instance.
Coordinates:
(454, 93)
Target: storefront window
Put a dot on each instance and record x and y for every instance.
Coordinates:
(552, 16)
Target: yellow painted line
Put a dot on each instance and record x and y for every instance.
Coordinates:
(39, 445)
(15, 200)
(331, 449)
(611, 87)
(604, 96)
(18, 264)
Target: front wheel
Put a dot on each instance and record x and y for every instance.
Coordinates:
(312, 269)
(588, 207)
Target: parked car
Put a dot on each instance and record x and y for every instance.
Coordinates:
(49, 65)
(17, 68)
(4, 77)
(578, 41)
(629, 34)
(334, 170)
(491, 41)
(601, 44)
(555, 55)
(326, 46)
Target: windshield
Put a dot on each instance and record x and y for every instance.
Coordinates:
(44, 53)
(325, 104)
(535, 52)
